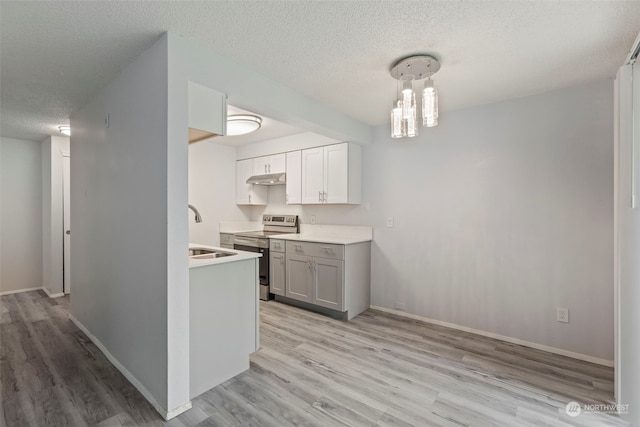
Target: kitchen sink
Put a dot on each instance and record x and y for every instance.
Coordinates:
(203, 253)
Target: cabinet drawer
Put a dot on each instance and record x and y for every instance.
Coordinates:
(276, 245)
(226, 239)
(322, 250)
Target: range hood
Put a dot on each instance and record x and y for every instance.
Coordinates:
(268, 179)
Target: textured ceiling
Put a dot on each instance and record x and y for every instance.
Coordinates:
(55, 55)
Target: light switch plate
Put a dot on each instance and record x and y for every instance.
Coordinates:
(390, 222)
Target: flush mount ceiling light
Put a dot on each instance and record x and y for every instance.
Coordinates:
(404, 111)
(65, 130)
(241, 124)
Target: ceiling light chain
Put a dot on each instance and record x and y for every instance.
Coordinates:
(404, 111)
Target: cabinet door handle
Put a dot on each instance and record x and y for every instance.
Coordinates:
(249, 198)
(320, 196)
(324, 196)
(269, 167)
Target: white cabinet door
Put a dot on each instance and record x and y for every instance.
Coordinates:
(336, 173)
(312, 175)
(275, 163)
(328, 283)
(248, 194)
(299, 280)
(294, 177)
(244, 169)
(278, 163)
(261, 165)
(277, 273)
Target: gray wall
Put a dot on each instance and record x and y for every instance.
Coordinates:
(20, 215)
(502, 213)
(119, 214)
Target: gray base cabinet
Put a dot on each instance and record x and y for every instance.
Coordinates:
(329, 275)
(299, 281)
(277, 273)
(328, 283)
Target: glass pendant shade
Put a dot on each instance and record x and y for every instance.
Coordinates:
(408, 100)
(396, 119)
(429, 104)
(409, 110)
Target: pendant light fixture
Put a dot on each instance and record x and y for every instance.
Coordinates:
(408, 70)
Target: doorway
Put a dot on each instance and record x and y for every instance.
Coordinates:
(66, 210)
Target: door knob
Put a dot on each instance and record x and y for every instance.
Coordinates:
(67, 232)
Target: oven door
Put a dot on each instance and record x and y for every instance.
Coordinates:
(263, 262)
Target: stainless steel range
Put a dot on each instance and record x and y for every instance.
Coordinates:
(258, 241)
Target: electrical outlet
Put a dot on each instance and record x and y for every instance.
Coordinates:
(400, 306)
(313, 219)
(390, 222)
(562, 314)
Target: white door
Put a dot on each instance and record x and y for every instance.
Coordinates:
(312, 175)
(336, 173)
(66, 210)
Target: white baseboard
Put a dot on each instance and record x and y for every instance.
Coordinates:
(58, 295)
(167, 415)
(17, 291)
(573, 355)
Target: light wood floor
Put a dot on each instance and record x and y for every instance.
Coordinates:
(312, 370)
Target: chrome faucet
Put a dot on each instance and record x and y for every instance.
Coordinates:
(195, 211)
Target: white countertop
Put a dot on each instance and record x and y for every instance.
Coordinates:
(336, 234)
(239, 226)
(241, 255)
(324, 238)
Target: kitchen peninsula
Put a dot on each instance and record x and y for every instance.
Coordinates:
(223, 314)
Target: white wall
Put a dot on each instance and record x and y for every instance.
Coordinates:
(287, 143)
(52, 214)
(20, 215)
(212, 191)
(502, 213)
(120, 214)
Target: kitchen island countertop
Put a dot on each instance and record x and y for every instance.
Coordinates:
(241, 256)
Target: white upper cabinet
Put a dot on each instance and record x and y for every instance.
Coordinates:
(269, 164)
(332, 174)
(248, 194)
(207, 112)
(294, 178)
(312, 175)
